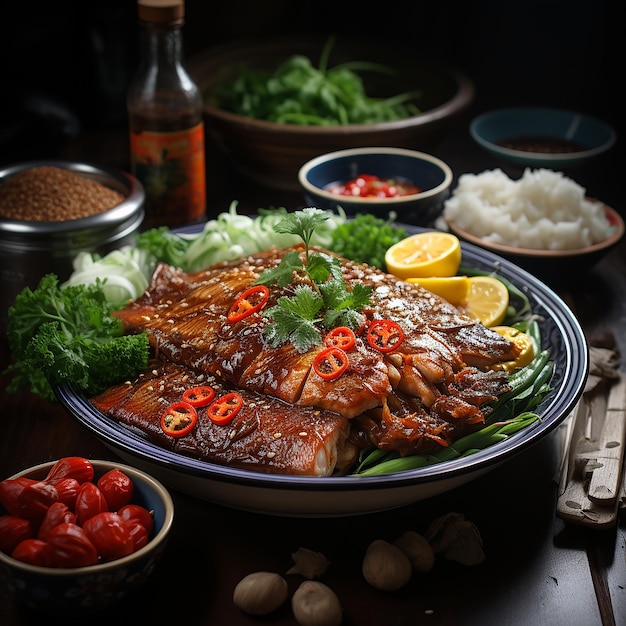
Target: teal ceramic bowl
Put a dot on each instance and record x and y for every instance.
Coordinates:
(542, 137)
(84, 590)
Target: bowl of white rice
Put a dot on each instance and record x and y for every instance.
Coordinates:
(543, 221)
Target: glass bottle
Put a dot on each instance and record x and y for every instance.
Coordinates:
(165, 121)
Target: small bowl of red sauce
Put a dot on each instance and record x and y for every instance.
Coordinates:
(391, 183)
(542, 136)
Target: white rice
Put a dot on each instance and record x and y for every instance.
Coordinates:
(542, 210)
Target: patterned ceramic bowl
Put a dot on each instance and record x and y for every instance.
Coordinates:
(430, 175)
(84, 590)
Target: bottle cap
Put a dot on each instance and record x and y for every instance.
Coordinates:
(161, 11)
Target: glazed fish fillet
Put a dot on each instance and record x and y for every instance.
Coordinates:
(185, 318)
(421, 396)
(267, 435)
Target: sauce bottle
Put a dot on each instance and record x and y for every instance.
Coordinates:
(165, 121)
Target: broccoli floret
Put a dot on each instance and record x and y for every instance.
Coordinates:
(366, 238)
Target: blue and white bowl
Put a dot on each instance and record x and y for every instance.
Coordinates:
(430, 174)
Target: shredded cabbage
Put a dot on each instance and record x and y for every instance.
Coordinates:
(125, 272)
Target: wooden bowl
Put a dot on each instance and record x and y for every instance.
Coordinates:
(271, 153)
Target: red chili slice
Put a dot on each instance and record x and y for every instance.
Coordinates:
(331, 363)
(385, 335)
(340, 337)
(179, 419)
(223, 409)
(249, 302)
(199, 396)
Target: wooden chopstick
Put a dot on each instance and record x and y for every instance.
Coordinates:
(591, 480)
(606, 476)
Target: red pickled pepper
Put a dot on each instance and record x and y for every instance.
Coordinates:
(369, 186)
(65, 536)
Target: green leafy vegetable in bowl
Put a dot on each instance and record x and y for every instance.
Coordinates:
(299, 93)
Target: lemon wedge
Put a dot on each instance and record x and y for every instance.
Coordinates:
(525, 344)
(487, 300)
(423, 255)
(454, 289)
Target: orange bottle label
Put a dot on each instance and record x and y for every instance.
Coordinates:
(171, 167)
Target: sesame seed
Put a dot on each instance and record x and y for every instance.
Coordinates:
(54, 194)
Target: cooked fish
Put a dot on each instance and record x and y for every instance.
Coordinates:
(267, 434)
(422, 395)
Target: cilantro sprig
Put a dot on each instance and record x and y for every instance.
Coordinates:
(320, 295)
(299, 93)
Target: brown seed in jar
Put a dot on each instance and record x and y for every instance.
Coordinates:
(54, 194)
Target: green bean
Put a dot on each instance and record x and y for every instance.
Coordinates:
(530, 397)
(534, 332)
(524, 377)
(372, 456)
(469, 444)
(400, 464)
(519, 423)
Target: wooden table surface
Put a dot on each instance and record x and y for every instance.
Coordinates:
(538, 570)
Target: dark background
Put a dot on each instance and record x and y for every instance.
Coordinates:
(65, 65)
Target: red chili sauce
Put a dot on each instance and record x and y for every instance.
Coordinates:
(368, 186)
(542, 145)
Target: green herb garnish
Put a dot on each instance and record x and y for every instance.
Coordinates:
(69, 336)
(299, 93)
(366, 238)
(320, 296)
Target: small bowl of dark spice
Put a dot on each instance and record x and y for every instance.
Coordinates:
(51, 211)
(542, 136)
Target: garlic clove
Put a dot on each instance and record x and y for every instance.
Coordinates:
(260, 593)
(385, 566)
(316, 604)
(417, 549)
